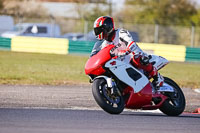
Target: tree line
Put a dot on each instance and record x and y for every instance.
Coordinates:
(164, 12)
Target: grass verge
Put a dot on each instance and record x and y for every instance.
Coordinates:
(51, 69)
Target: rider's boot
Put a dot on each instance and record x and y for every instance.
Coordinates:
(158, 79)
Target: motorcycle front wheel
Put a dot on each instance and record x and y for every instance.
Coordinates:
(175, 104)
(109, 100)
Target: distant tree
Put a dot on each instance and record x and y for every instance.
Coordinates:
(90, 14)
(95, 13)
(160, 11)
(196, 18)
(90, 1)
(24, 8)
(88, 11)
(1, 5)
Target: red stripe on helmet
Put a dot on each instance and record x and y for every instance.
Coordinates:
(99, 20)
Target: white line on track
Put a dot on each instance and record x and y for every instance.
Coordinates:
(197, 90)
(89, 108)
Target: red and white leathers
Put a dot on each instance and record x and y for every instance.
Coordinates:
(124, 43)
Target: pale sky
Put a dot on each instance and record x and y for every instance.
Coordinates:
(196, 1)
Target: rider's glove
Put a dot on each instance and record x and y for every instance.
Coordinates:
(123, 53)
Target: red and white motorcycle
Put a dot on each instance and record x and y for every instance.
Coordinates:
(116, 85)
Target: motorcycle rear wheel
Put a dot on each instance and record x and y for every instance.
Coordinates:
(112, 103)
(175, 104)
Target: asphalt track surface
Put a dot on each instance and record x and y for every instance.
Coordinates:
(72, 109)
(93, 121)
(71, 96)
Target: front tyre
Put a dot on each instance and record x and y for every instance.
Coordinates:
(175, 104)
(109, 100)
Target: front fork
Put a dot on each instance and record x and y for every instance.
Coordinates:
(110, 84)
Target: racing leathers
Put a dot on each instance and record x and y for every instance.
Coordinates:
(125, 44)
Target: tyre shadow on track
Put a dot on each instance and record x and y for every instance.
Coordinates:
(188, 115)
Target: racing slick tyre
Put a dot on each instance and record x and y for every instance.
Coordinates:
(175, 104)
(109, 100)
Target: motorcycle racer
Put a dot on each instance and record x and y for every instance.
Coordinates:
(105, 31)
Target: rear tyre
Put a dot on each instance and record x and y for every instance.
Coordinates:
(175, 104)
(108, 100)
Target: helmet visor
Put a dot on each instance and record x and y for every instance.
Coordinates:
(98, 30)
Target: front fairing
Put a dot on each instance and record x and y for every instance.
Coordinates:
(128, 74)
(94, 65)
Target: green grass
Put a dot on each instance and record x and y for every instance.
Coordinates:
(185, 74)
(51, 69)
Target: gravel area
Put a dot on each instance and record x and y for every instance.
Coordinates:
(71, 96)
